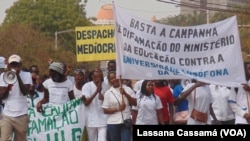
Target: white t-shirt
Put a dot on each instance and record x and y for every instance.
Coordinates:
(95, 116)
(41, 94)
(110, 101)
(220, 105)
(77, 92)
(16, 103)
(203, 99)
(238, 102)
(58, 92)
(146, 107)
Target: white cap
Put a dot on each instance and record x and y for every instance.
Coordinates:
(14, 58)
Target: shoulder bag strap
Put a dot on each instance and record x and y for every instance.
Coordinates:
(194, 96)
(118, 103)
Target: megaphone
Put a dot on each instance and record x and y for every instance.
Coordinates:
(10, 77)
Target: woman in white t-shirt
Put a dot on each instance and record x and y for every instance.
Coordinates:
(200, 102)
(116, 104)
(148, 110)
(57, 89)
(79, 79)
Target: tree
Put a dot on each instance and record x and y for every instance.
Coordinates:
(32, 46)
(243, 18)
(49, 16)
(35, 48)
(184, 20)
(241, 11)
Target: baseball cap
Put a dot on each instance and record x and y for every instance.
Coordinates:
(14, 58)
(57, 66)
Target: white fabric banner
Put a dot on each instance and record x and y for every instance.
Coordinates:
(147, 50)
(58, 122)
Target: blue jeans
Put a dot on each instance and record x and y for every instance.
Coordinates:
(118, 132)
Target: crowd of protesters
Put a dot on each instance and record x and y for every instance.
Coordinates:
(113, 105)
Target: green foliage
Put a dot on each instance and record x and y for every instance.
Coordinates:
(32, 46)
(184, 20)
(243, 18)
(47, 15)
(29, 31)
(35, 48)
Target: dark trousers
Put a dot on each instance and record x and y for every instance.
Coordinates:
(118, 132)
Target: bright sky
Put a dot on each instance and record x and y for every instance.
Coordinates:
(5, 4)
(141, 8)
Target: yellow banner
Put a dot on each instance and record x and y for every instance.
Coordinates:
(95, 43)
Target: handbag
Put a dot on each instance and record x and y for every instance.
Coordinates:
(197, 115)
(127, 123)
(181, 117)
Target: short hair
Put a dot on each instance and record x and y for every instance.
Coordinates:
(109, 73)
(79, 71)
(112, 61)
(33, 66)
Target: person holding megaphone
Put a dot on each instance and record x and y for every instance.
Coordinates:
(14, 86)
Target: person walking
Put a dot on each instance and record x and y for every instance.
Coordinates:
(33, 97)
(181, 108)
(34, 70)
(39, 85)
(239, 99)
(116, 106)
(15, 119)
(220, 105)
(200, 102)
(111, 66)
(148, 110)
(79, 78)
(162, 90)
(57, 89)
(96, 120)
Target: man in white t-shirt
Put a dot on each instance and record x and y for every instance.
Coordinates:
(221, 107)
(57, 89)
(239, 99)
(96, 120)
(111, 66)
(15, 114)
